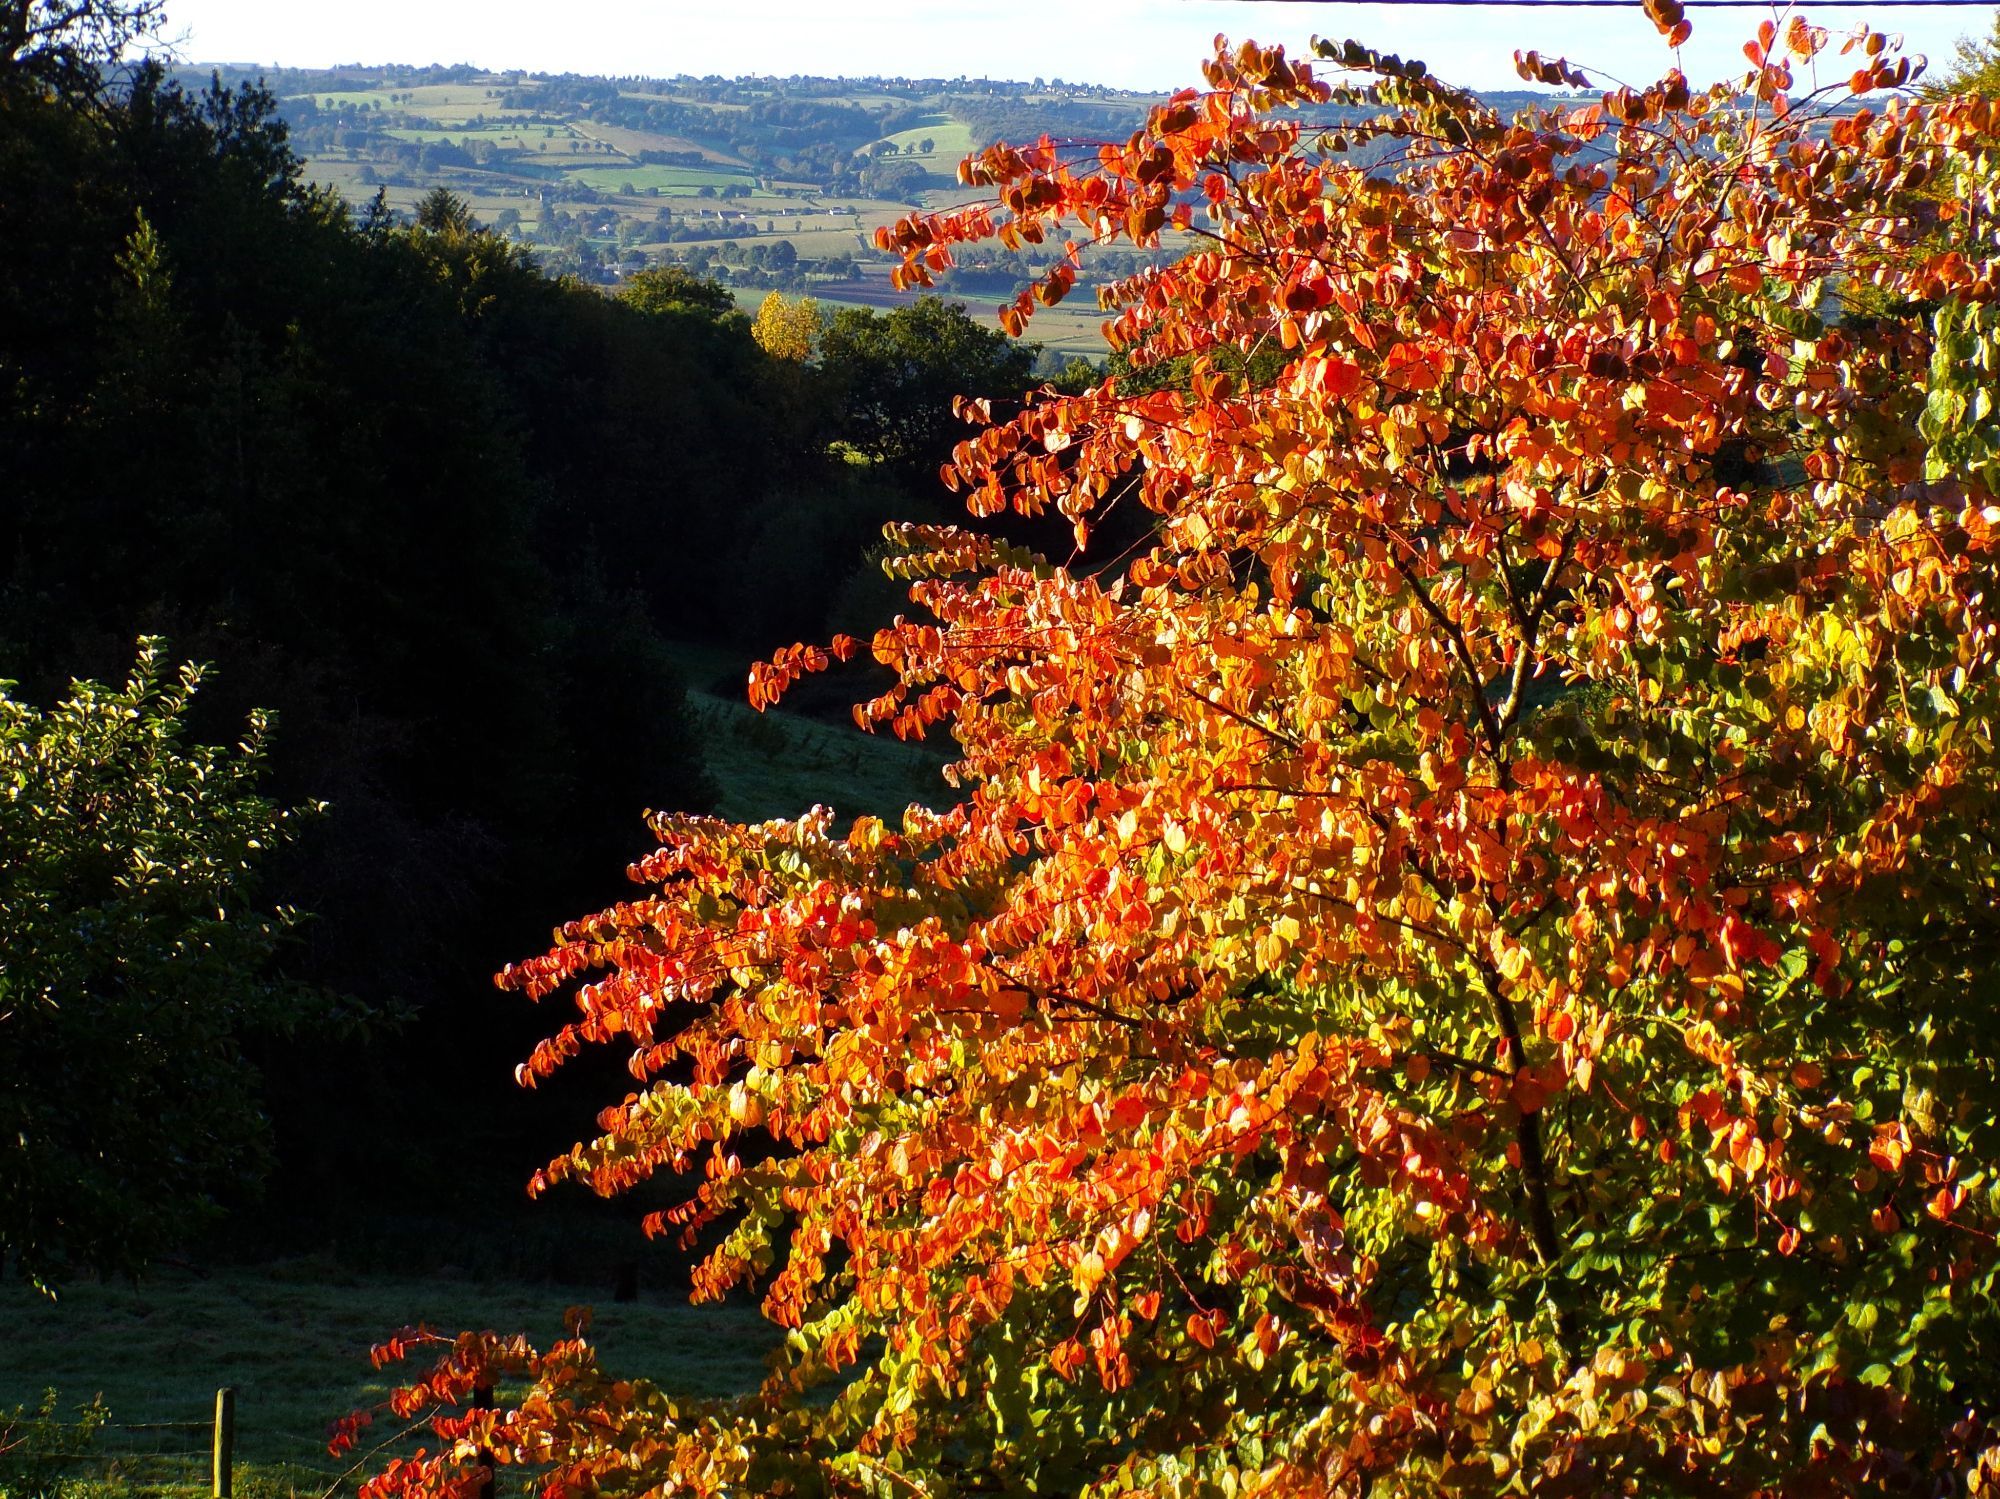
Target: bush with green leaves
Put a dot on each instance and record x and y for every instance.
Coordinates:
(135, 962)
(39, 1450)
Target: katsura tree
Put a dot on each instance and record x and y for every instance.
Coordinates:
(1466, 963)
(135, 964)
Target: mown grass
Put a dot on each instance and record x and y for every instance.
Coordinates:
(779, 764)
(949, 137)
(292, 1339)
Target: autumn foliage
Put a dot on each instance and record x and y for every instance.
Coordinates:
(1462, 965)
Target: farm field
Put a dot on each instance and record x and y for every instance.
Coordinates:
(679, 181)
(1073, 328)
(634, 141)
(292, 1339)
(949, 138)
(600, 180)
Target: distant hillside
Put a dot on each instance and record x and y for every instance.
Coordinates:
(762, 182)
(685, 146)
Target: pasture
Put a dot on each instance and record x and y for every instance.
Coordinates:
(949, 137)
(632, 142)
(1071, 328)
(292, 1339)
(777, 764)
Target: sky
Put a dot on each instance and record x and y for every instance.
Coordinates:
(1146, 44)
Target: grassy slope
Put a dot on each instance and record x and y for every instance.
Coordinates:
(780, 764)
(293, 1340)
(950, 139)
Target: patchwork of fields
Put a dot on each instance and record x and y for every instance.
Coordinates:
(761, 183)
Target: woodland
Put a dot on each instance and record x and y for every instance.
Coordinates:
(1446, 948)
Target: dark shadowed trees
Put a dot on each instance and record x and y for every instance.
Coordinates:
(66, 47)
(896, 373)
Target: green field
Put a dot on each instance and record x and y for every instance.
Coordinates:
(634, 141)
(451, 103)
(780, 764)
(816, 244)
(530, 140)
(364, 99)
(1072, 327)
(678, 181)
(949, 137)
(1069, 334)
(443, 103)
(292, 1339)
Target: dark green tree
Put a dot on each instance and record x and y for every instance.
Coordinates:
(672, 288)
(66, 47)
(441, 211)
(135, 961)
(895, 374)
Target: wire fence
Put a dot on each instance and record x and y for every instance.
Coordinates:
(42, 1457)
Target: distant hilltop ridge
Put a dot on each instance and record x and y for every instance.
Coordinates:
(448, 73)
(378, 75)
(760, 182)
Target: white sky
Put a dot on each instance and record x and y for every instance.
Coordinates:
(1152, 44)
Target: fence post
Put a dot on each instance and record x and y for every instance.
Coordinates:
(482, 1400)
(223, 1466)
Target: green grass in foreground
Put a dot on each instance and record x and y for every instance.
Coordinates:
(293, 1341)
(780, 764)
